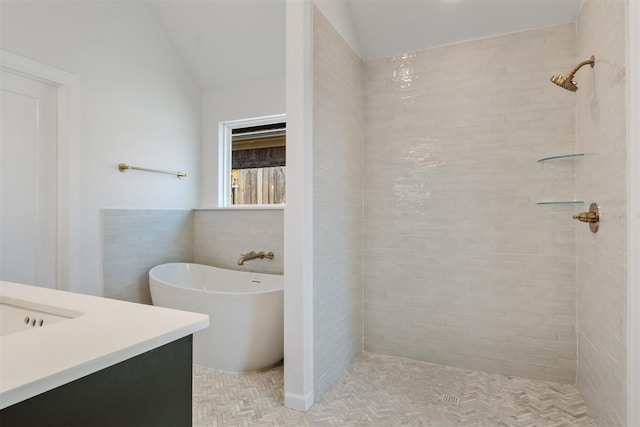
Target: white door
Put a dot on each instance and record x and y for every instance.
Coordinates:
(28, 157)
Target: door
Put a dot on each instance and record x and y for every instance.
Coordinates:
(28, 158)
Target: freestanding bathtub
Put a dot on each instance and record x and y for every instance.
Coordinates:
(246, 329)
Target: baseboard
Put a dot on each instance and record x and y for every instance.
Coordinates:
(298, 402)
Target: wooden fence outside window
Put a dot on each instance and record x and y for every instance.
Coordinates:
(258, 186)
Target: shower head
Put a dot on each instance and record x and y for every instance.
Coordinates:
(566, 81)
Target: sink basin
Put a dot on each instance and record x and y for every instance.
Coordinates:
(19, 315)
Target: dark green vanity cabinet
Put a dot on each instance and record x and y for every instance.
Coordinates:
(151, 389)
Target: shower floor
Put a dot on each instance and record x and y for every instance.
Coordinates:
(380, 390)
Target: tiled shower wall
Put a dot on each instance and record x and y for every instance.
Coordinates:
(134, 241)
(601, 178)
(461, 266)
(337, 203)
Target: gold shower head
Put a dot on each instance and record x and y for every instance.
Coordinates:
(566, 81)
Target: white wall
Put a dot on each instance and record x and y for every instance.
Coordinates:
(601, 178)
(298, 215)
(138, 106)
(633, 200)
(253, 99)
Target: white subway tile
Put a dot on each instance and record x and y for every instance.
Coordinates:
(338, 230)
(451, 182)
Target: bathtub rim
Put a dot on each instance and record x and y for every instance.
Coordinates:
(209, 291)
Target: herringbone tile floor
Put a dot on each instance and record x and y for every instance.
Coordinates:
(380, 390)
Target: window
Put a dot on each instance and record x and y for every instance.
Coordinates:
(252, 161)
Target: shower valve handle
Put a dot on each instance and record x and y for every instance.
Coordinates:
(587, 217)
(592, 217)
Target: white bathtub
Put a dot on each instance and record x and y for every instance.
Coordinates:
(246, 329)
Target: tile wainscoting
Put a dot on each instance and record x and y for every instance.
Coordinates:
(135, 240)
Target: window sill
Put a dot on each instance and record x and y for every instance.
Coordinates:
(244, 208)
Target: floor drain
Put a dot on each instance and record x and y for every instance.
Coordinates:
(451, 399)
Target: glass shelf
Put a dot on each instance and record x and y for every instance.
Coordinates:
(562, 156)
(562, 202)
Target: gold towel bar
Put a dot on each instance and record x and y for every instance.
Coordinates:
(122, 167)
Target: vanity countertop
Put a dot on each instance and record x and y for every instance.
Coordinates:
(105, 332)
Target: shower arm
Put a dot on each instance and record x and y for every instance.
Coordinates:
(591, 62)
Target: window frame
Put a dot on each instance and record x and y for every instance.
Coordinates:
(225, 130)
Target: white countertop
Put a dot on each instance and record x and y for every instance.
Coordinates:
(108, 332)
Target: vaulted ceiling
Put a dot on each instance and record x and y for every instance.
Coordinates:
(228, 42)
(390, 27)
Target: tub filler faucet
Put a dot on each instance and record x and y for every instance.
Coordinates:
(253, 255)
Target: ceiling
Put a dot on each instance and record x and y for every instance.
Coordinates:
(226, 42)
(229, 42)
(390, 27)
